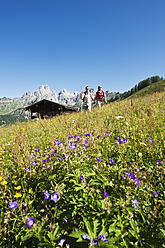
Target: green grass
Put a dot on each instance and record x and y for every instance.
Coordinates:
(86, 159)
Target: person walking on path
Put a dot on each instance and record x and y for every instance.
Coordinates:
(87, 97)
(100, 97)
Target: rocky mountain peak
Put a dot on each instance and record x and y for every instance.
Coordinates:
(65, 97)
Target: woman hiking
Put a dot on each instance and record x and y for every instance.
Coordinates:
(100, 97)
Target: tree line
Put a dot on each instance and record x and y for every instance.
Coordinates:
(141, 85)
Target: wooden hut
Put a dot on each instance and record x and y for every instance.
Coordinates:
(46, 109)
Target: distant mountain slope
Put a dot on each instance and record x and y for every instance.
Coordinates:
(156, 87)
(17, 115)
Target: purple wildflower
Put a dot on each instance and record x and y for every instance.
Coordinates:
(55, 151)
(123, 177)
(106, 194)
(31, 222)
(131, 162)
(34, 153)
(57, 142)
(98, 136)
(104, 238)
(36, 149)
(81, 177)
(152, 141)
(55, 196)
(45, 160)
(130, 174)
(73, 146)
(137, 182)
(78, 139)
(155, 193)
(135, 203)
(95, 241)
(70, 137)
(75, 136)
(87, 134)
(107, 134)
(27, 169)
(13, 205)
(111, 161)
(33, 162)
(47, 195)
(124, 140)
(85, 236)
(158, 162)
(119, 141)
(61, 242)
(85, 146)
(60, 159)
(98, 159)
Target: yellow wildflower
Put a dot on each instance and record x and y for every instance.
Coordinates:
(4, 183)
(17, 195)
(30, 190)
(1, 178)
(18, 187)
(140, 154)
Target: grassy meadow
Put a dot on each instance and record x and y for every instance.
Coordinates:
(86, 179)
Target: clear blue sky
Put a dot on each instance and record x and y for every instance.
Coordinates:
(69, 43)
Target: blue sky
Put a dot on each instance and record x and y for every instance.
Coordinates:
(69, 43)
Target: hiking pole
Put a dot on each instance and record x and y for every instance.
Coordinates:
(81, 99)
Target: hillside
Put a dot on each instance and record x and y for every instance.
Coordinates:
(18, 115)
(152, 82)
(153, 88)
(86, 179)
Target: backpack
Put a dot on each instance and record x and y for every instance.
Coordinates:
(100, 95)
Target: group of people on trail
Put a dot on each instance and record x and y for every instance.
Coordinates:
(87, 98)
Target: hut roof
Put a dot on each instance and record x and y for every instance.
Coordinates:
(50, 104)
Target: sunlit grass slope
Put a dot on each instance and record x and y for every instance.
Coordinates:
(96, 178)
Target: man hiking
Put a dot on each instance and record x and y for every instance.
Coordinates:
(100, 97)
(87, 97)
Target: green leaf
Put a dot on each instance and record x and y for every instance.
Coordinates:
(28, 236)
(76, 234)
(89, 228)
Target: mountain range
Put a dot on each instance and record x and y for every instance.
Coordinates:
(14, 108)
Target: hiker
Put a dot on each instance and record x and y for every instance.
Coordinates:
(100, 97)
(87, 97)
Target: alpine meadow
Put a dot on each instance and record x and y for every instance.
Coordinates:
(86, 179)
